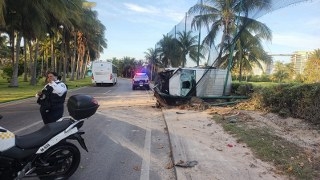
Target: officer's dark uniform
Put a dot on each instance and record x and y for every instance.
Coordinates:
(52, 101)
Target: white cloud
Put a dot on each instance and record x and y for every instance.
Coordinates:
(140, 9)
(174, 15)
(166, 11)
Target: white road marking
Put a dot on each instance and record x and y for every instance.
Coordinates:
(107, 92)
(27, 127)
(145, 167)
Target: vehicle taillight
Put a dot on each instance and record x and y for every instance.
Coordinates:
(110, 76)
(92, 77)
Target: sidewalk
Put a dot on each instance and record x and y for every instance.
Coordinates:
(203, 151)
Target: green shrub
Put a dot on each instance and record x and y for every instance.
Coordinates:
(7, 70)
(259, 78)
(294, 100)
(241, 88)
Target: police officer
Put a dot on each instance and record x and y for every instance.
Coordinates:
(51, 98)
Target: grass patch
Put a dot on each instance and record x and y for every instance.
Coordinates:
(25, 90)
(287, 157)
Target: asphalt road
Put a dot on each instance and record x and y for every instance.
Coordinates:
(126, 138)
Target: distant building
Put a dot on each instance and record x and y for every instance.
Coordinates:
(299, 59)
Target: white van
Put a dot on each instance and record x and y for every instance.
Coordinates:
(103, 72)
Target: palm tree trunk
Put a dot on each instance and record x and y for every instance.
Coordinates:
(74, 56)
(240, 72)
(80, 62)
(224, 35)
(240, 59)
(63, 63)
(35, 63)
(25, 76)
(16, 51)
(84, 67)
(77, 67)
(42, 61)
(72, 67)
(61, 59)
(47, 62)
(52, 52)
(30, 65)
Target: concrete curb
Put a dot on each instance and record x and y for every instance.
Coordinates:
(179, 149)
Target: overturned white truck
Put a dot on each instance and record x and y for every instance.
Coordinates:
(178, 85)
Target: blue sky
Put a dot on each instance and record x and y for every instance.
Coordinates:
(134, 26)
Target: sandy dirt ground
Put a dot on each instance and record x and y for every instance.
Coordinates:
(198, 138)
(220, 156)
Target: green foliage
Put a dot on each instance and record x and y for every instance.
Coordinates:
(25, 90)
(311, 71)
(7, 70)
(271, 148)
(241, 88)
(283, 72)
(259, 78)
(293, 99)
(127, 66)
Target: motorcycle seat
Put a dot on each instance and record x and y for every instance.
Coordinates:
(40, 137)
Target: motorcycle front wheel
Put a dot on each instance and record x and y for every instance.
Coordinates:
(59, 162)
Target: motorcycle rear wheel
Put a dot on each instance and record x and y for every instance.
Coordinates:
(60, 162)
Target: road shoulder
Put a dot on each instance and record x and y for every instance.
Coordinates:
(202, 150)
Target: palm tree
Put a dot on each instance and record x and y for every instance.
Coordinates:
(283, 72)
(64, 23)
(16, 26)
(189, 46)
(315, 54)
(129, 67)
(169, 51)
(152, 56)
(32, 20)
(248, 52)
(229, 17)
(58, 21)
(90, 39)
(311, 71)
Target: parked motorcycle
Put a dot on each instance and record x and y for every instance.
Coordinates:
(47, 153)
